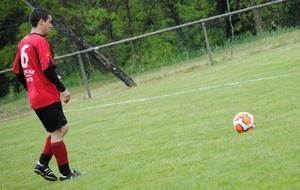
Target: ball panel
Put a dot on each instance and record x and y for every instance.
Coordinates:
(239, 128)
(246, 119)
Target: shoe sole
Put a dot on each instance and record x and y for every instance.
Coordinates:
(44, 176)
(82, 173)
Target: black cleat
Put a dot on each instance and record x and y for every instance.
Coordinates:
(45, 172)
(72, 175)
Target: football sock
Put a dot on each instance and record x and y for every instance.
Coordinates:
(59, 151)
(45, 159)
(64, 169)
(47, 153)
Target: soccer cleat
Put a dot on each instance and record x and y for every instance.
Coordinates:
(73, 174)
(45, 172)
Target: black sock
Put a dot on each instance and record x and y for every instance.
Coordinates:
(45, 159)
(64, 169)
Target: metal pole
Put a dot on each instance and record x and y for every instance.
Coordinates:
(207, 44)
(83, 74)
(89, 62)
(5, 71)
(232, 29)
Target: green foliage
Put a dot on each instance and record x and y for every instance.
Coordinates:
(12, 16)
(102, 21)
(12, 96)
(73, 79)
(7, 55)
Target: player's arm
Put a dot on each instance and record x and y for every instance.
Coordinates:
(48, 67)
(17, 69)
(47, 63)
(22, 79)
(52, 77)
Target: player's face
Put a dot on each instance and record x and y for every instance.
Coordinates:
(47, 25)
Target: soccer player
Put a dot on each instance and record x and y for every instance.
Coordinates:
(35, 69)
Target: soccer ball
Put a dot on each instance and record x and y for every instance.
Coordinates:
(243, 122)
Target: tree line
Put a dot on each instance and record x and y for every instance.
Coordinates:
(104, 21)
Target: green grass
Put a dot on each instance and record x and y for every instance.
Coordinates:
(174, 130)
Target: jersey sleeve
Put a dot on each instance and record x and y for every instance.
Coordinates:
(52, 76)
(45, 54)
(16, 65)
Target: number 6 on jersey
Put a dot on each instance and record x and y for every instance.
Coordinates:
(24, 56)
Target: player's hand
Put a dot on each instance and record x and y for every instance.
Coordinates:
(67, 96)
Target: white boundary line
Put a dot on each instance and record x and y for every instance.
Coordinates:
(170, 95)
(17, 116)
(182, 92)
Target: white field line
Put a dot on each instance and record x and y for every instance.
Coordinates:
(183, 92)
(169, 95)
(16, 117)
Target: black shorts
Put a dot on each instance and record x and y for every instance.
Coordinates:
(52, 116)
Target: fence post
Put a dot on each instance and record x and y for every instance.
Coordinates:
(89, 62)
(207, 44)
(83, 74)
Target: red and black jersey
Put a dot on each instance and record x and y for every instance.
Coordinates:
(33, 57)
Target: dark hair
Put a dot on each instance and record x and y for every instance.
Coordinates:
(38, 14)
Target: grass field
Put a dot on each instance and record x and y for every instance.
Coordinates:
(174, 130)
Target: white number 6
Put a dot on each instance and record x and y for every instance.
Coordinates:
(24, 56)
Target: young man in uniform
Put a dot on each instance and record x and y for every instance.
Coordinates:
(34, 67)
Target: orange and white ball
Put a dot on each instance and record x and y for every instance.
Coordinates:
(243, 122)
